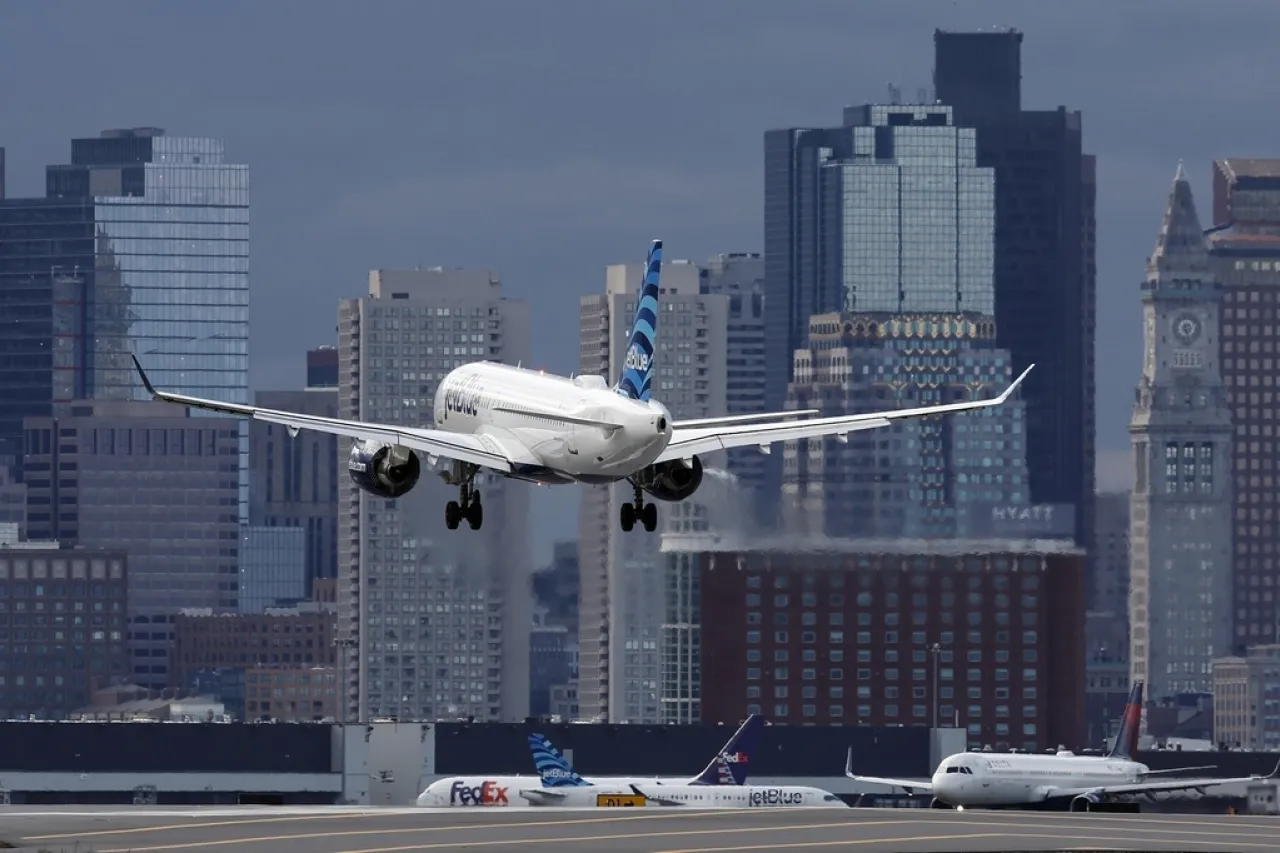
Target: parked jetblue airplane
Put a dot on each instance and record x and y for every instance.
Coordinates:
(986, 780)
(728, 767)
(547, 429)
(561, 786)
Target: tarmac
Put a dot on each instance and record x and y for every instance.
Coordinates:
(336, 829)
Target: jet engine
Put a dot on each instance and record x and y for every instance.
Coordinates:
(671, 481)
(385, 470)
(1085, 802)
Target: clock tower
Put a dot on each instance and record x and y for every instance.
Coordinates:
(1180, 515)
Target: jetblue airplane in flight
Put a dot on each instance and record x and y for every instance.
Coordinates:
(988, 780)
(562, 787)
(728, 767)
(527, 425)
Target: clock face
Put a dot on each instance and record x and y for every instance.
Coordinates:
(1186, 328)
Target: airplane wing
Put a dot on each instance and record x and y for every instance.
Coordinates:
(741, 419)
(476, 449)
(662, 801)
(542, 796)
(907, 785)
(1170, 785)
(687, 442)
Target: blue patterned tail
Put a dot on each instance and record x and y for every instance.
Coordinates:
(637, 364)
(554, 771)
(730, 766)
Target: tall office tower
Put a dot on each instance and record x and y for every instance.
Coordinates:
(141, 246)
(145, 479)
(1180, 528)
(294, 480)
(1244, 253)
(889, 213)
(1109, 583)
(322, 367)
(621, 607)
(438, 620)
(1045, 274)
(933, 478)
(740, 276)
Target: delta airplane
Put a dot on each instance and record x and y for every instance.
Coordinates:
(527, 425)
(984, 780)
(564, 788)
(728, 767)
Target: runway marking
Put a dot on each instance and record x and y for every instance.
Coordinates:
(172, 827)
(1271, 845)
(502, 842)
(1015, 827)
(840, 843)
(480, 826)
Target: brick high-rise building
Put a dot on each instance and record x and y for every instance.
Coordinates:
(1244, 254)
(987, 635)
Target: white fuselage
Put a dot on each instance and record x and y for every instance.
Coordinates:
(703, 796)
(503, 791)
(975, 779)
(509, 406)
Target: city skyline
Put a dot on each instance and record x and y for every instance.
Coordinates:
(587, 188)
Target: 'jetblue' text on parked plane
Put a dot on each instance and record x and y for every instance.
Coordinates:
(554, 773)
(528, 425)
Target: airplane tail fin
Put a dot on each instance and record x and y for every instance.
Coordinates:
(1126, 744)
(730, 766)
(552, 767)
(636, 378)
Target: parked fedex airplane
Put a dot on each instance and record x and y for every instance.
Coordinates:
(527, 425)
(728, 767)
(562, 787)
(988, 780)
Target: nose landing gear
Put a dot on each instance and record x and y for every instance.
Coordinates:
(638, 510)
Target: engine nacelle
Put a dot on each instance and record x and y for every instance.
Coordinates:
(671, 481)
(385, 470)
(1085, 802)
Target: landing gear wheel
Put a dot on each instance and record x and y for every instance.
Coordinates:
(627, 516)
(452, 515)
(649, 515)
(475, 513)
(468, 505)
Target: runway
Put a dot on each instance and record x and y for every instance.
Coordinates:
(320, 829)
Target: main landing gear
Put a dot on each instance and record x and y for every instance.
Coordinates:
(468, 505)
(647, 514)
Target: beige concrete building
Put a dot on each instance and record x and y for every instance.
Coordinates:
(710, 348)
(1246, 699)
(435, 621)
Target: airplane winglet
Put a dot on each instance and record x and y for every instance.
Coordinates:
(1013, 385)
(142, 374)
(848, 764)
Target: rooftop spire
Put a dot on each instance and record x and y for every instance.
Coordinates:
(1180, 246)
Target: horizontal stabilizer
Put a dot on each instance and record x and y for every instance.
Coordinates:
(558, 417)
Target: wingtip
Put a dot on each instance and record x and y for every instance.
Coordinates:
(142, 374)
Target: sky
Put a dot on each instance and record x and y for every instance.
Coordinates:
(547, 140)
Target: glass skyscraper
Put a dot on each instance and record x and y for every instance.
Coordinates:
(169, 276)
(916, 224)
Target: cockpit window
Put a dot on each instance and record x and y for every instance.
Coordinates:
(830, 798)
(953, 769)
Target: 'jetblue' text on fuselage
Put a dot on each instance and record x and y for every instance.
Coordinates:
(776, 797)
